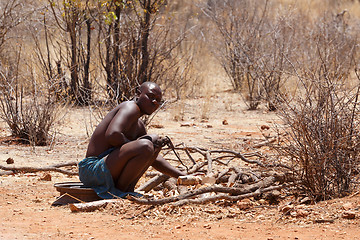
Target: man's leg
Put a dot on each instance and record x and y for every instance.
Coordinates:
(129, 163)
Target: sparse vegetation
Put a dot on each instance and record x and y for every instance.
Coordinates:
(277, 54)
(322, 131)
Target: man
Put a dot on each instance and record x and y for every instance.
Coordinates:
(120, 151)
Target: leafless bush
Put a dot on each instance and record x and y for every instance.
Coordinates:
(321, 127)
(240, 23)
(175, 40)
(27, 106)
(254, 46)
(10, 17)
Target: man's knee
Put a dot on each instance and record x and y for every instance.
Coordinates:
(145, 147)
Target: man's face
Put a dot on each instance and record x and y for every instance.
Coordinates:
(150, 98)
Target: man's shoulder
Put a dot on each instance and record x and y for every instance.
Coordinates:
(128, 107)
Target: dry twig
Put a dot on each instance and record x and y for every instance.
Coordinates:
(54, 168)
(235, 191)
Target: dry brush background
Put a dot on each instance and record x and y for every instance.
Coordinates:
(291, 63)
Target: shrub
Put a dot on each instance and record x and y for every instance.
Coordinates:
(322, 132)
(28, 108)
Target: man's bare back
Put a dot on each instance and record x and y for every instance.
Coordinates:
(135, 128)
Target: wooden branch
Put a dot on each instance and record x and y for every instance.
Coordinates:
(68, 164)
(146, 187)
(232, 179)
(231, 153)
(190, 157)
(39, 169)
(6, 173)
(209, 159)
(239, 155)
(266, 182)
(259, 145)
(199, 150)
(221, 162)
(91, 206)
(221, 174)
(196, 167)
(228, 197)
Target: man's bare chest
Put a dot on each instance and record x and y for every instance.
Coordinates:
(134, 130)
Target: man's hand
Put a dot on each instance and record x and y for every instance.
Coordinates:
(158, 142)
(161, 142)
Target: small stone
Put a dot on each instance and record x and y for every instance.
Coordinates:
(347, 206)
(225, 122)
(9, 161)
(207, 226)
(286, 209)
(265, 127)
(306, 200)
(349, 215)
(301, 213)
(186, 124)
(46, 177)
(244, 204)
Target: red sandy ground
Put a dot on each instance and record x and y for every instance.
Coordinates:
(25, 199)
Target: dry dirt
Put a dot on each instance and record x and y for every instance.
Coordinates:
(26, 199)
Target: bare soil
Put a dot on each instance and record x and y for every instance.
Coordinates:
(26, 198)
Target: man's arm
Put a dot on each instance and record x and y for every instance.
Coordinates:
(166, 168)
(126, 116)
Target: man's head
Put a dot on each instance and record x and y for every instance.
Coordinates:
(149, 98)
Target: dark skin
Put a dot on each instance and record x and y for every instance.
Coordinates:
(123, 129)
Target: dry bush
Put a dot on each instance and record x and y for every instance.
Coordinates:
(180, 75)
(254, 45)
(239, 23)
(27, 103)
(322, 141)
(321, 126)
(27, 106)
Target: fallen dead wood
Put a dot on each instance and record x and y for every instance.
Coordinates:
(245, 189)
(153, 182)
(228, 197)
(170, 184)
(212, 157)
(91, 206)
(196, 167)
(229, 154)
(68, 164)
(239, 155)
(6, 173)
(265, 143)
(54, 168)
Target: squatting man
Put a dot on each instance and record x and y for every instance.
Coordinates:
(120, 150)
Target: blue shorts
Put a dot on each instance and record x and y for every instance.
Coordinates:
(94, 173)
